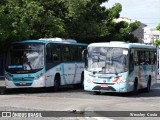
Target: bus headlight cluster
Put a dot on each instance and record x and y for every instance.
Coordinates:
(89, 81)
(8, 77)
(122, 81)
(40, 75)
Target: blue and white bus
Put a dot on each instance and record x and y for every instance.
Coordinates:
(119, 67)
(48, 62)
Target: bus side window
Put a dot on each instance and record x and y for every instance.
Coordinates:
(141, 58)
(151, 57)
(131, 61)
(135, 57)
(155, 57)
(48, 54)
(74, 53)
(65, 53)
(80, 53)
(147, 61)
(56, 52)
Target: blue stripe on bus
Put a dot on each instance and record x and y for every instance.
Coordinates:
(65, 81)
(46, 42)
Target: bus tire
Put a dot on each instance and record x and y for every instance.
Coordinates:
(97, 92)
(2, 91)
(57, 81)
(135, 87)
(81, 84)
(82, 80)
(148, 88)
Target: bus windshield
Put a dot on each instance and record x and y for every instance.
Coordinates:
(25, 57)
(107, 60)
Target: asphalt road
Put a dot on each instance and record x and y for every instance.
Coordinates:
(74, 100)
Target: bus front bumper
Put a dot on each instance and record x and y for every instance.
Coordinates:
(25, 84)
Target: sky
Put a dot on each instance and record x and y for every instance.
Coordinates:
(145, 11)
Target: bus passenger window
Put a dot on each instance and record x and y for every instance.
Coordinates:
(65, 53)
(56, 52)
(48, 54)
(147, 57)
(80, 52)
(74, 53)
(152, 57)
(155, 57)
(131, 61)
(141, 58)
(136, 60)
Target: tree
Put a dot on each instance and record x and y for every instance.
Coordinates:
(157, 42)
(158, 27)
(17, 18)
(84, 20)
(29, 19)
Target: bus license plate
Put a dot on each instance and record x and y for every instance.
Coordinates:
(104, 86)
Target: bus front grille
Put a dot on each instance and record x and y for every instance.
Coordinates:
(24, 79)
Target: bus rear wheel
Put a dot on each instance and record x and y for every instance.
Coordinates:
(57, 83)
(97, 93)
(81, 84)
(135, 87)
(148, 88)
(82, 80)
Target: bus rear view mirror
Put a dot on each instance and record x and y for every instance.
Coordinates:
(84, 54)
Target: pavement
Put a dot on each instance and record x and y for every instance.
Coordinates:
(158, 77)
(2, 86)
(2, 83)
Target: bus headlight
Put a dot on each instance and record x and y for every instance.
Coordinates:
(8, 77)
(89, 81)
(122, 81)
(40, 75)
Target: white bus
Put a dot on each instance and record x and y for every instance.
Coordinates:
(119, 67)
(48, 62)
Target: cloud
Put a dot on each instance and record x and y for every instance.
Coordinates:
(146, 11)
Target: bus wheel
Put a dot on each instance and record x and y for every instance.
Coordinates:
(97, 93)
(148, 88)
(82, 80)
(81, 84)
(2, 91)
(57, 83)
(135, 88)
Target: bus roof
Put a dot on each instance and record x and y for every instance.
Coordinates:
(45, 41)
(121, 45)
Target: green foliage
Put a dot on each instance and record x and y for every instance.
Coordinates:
(84, 20)
(158, 27)
(157, 42)
(114, 11)
(134, 25)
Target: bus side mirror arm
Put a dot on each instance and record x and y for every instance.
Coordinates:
(84, 54)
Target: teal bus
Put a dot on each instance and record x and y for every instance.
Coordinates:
(47, 62)
(119, 67)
